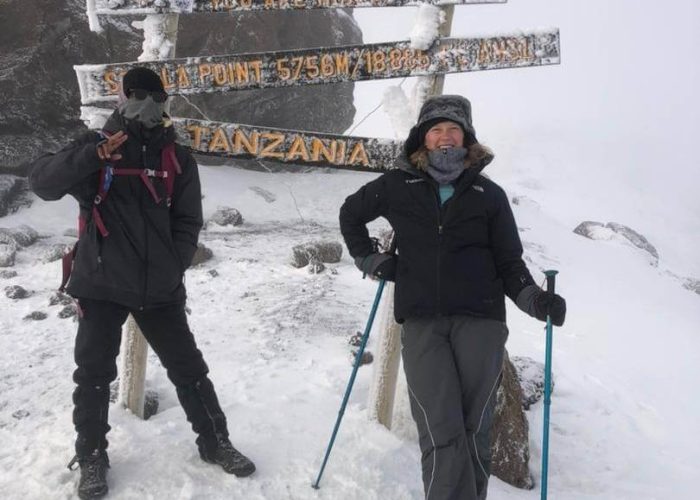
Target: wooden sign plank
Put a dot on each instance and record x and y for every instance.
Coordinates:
(350, 63)
(313, 149)
(141, 7)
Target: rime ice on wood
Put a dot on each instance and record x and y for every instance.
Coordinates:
(425, 30)
(226, 73)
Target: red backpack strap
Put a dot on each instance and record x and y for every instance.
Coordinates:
(171, 167)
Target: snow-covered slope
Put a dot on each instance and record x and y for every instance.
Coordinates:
(596, 138)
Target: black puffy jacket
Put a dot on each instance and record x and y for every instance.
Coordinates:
(142, 261)
(458, 258)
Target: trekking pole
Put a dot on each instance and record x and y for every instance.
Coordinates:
(358, 358)
(547, 389)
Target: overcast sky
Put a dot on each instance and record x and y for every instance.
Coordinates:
(625, 96)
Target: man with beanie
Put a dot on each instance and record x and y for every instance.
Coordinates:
(459, 254)
(140, 216)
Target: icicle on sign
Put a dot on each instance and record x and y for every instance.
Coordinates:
(314, 149)
(138, 7)
(227, 73)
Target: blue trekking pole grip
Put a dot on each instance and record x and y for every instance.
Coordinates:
(358, 358)
(547, 389)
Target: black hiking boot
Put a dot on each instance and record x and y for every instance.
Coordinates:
(222, 452)
(93, 474)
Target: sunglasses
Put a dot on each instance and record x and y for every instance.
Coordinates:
(141, 94)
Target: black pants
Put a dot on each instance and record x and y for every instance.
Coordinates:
(96, 349)
(453, 369)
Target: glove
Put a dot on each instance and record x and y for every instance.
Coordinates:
(378, 265)
(547, 303)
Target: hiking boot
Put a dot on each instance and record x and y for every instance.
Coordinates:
(222, 452)
(93, 474)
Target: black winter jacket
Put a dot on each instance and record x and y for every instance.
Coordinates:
(458, 258)
(142, 261)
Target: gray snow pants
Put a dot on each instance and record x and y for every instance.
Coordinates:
(453, 368)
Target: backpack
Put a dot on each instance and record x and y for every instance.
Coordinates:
(169, 168)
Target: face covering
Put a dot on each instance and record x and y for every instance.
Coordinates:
(145, 111)
(446, 164)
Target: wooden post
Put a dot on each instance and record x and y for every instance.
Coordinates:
(385, 376)
(160, 36)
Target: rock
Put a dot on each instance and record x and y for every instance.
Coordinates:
(366, 359)
(16, 292)
(43, 40)
(213, 273)
(150, 404)
(13, 189)
(225, 216)
(588, 228)
(530, 375)
(22, 236)
(150, 399)
(322, 251)
(68, 311)
(600, 231)
(55, 252)
(634, 237)
(264, 193)
(316, 266)
(202, 254)
(510, 446)
(7, 255)
(36, 316)
(60, 298)
(20, 414)
(7, 274)
(692, 284)
(355, 339)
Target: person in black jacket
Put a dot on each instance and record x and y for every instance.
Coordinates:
(459, 254)
(137, 238)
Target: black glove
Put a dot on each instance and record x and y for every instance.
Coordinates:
(547, 303)
(378, 265)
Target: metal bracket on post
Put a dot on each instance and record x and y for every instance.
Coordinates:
(160, 36)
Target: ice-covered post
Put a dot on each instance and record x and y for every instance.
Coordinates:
(160, 36)
(432, 23)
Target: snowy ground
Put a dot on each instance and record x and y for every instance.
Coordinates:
(275, 338)
(572, 143)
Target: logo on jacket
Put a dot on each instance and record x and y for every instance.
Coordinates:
(413, 181)
(478, 188)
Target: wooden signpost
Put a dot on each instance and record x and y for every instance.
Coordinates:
(99, 84)
(306, 149)
(350, 63)
(141, 7)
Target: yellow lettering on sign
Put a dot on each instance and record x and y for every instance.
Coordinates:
(165, 78)
(219, 142)
(268, 151)
(240, 141)
(269, 4)
(299, 4)
(340, 157)
(256, 68)
(245, 3)
(195, 136)
(183, 79)
(358, 155)
(318, 148)
(341, 63)
(298, 149)
(241, 72)
(219, 74)
(112, 82)
(204, 71)
(327, 67)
